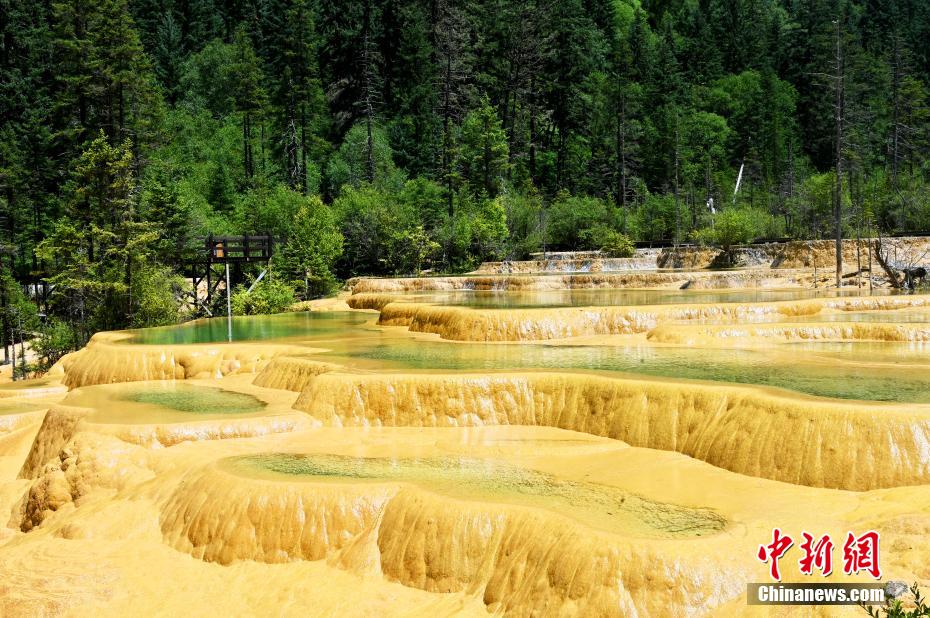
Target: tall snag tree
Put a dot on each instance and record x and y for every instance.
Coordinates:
(839, 83)
(451, 37)
(368, 69)
(249, 95)
(290, 52)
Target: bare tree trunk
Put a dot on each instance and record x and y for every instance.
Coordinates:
(621, 154)
(533, 130)
(869, 244)
(446, 133)
(677, 204)
(886, 266)
(369, 107)
(838, 198)
(858, 256)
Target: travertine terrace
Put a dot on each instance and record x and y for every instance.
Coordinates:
(492, 444)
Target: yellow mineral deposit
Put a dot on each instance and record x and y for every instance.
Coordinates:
(397, 453)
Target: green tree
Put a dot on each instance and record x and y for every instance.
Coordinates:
(101, 246)
(482, 151)
(349, 164)
(313, 246)
(569, 217)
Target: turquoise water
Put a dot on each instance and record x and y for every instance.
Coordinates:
(303, 325)
(814, 368)
(485, 479)
(792, 368)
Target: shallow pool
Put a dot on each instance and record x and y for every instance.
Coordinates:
(162, 402)
(300, 325)
(483, 479)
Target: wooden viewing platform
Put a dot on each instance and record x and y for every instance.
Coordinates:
(246, 248)
(223, 251)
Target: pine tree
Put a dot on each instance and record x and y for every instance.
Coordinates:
(482, 153)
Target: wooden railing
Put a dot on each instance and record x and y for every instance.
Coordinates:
(246, 248)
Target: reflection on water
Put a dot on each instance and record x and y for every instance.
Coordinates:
(254, 328)
(847, 371)
(595, 504)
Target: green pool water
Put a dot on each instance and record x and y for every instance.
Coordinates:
(796, 369)
(304, 325)
(161, 402)
(861, 371)
(593, 503)
(196, 400)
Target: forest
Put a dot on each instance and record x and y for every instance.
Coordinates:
(380, 137)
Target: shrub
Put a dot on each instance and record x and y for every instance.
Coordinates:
(54, 340)
(704, 236)
(608, 240)
(734, 226)
(313, 245)
(269, 296)
(655, 218)
(617, 245)
(570, 219)
(155, 292)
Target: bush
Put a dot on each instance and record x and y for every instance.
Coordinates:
(367, 218)
(606, 239)
(570, 217)
(269, 296)
(313, 245)
(524, 223)
(477, 232)
(655, 218)
(155, 293)
(734, 226)
(704, 236)
(412, 249)
(617, 245)
(54, 340)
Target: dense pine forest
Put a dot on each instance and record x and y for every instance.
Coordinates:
(398, 136)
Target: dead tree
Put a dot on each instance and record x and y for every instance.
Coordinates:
(368, 92)
(838, 84)
(451, 36)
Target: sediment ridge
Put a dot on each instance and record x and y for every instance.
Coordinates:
(519, 561)
(693, 280)
(108, 358)
(468, 324)
(841, 445)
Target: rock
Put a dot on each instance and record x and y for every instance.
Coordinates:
(895, 589)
